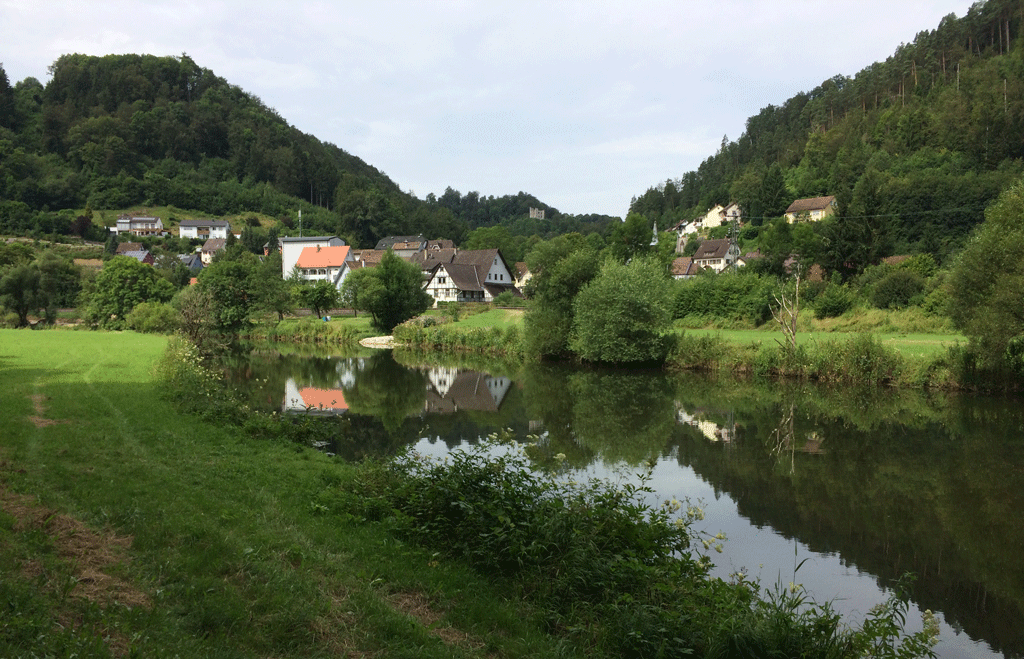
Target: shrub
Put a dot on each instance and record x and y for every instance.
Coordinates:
(154, 318)
(897, 289)
(835, 301)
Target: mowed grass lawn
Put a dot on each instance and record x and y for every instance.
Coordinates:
(127, 527)
(909, 345)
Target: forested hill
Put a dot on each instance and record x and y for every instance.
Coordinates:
(120, 131)
(913, 148)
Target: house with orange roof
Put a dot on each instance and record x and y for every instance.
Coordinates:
(329, 263)
(313, 400)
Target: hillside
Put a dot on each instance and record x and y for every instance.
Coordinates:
(914, 148)
(126, 131)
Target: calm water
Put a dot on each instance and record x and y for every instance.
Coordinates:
(864, 485)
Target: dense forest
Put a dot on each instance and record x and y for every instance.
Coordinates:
(122, 131)
(914, 148)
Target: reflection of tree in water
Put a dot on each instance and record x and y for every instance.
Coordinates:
(890, 497)
(388, 391)
(623, 416)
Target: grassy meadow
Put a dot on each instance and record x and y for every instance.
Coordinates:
(130, 529)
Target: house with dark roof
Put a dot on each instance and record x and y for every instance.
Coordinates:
(140, 255)
(139, 225)
(812, 209)
(203, 229)
(683, 267)
(211, 247)
(123, 248)
(717, 254)
(477, 275)
(404, 246)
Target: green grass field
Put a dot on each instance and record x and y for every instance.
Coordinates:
(910, 345)
(128, 528)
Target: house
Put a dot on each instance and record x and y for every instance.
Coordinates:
(139, 225)
(312, 400)
(329, 263)
(478, 275)
(193, 261)
(404, 246)
(683, 267)
(717, 254)
(140, 255)
(451, 390)
(813, 210)
(211, 247)
(291, 247)
(522, 274)
(713, 218)
(123, 248)
(203, 229)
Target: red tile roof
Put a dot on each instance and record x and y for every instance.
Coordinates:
(322, 257)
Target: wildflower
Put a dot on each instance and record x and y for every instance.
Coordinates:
(560, 457)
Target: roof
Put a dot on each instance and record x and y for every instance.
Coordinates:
(215, 244)
(322, 257)
(204, 223)
(428, 259)
(812, 204)
(370, 256)
(391, 242)
(308, 239)
(127, 247)
(683, 266)
(323, 399)
(712, 249)
(521, 269)
(138, 254)
(440, 243)
(465, 277)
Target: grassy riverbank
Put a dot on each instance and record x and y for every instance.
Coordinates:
(128, 527)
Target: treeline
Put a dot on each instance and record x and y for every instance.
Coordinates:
(120, 131)
(920, 143)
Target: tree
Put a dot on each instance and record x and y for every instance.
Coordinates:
(20, 291)
(120, 285)
(228, 282)
(320, 296)
(561, 267)
(624, 314)
(273, 294)
(987, 281)
(391, 293)
(631, 237)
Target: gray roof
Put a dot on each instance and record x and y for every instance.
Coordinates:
(204, 223)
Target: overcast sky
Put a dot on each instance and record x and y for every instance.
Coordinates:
(582, 104)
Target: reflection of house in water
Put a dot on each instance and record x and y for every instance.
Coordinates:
(709, 429)
(311, 400)
(452, 390)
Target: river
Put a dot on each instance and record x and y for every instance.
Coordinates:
(856, 487)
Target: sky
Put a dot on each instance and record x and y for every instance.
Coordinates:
(583, 104)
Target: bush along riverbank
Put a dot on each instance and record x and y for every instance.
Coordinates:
(343, 331)
(595, 565)
(426, 333)
(862, 359)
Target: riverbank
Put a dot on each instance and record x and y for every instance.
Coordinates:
(129, 527)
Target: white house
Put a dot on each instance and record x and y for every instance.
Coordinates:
(478, 275)
(204, 229)
(139, 225)
(716, 254)
(329, 263)
(292, 247)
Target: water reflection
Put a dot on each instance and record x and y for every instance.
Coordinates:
(867, 484)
